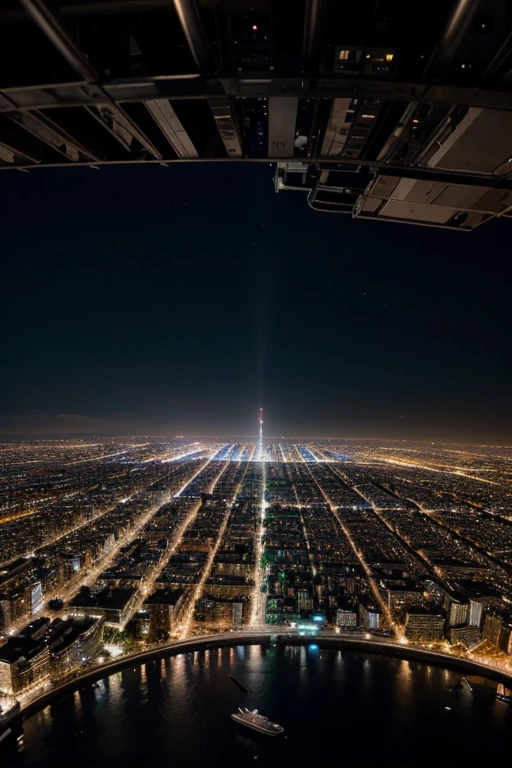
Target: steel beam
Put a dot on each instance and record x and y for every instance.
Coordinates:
(60, 38)
(52, 134)
(92, 97)
(282, 116)
(227, 125)
(500, 58)
(114, 8)
(461, 16)
(94, 8)
(167, 120)
(122, 127)
(49, 96)
(415, 172)
(18, 143)
(311, 40)
(192, 27)
(334, 140)
(317, 87)
(422, 173)
(108, 122)
(62, 41)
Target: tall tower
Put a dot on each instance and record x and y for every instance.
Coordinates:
(260, 439)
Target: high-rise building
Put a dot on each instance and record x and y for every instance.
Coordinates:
(36, 597)
(424, 627)
(238, 614)
(114, 603)
(492, 628)
(476, 608)
(369, 616)
(5, 612)
(304, 601)
(457, 613)
(469, 637)
(164, 607)
(505, 639)
(72, 643)
(346, 618)
(23, 662)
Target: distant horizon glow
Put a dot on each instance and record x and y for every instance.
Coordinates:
(299, 439)
(396, 337)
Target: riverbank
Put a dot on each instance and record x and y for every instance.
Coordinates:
(328, 641)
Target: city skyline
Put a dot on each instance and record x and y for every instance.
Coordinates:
(9, 439)
(259, 436)
(252, 453)
(109, 545)
(132, 558)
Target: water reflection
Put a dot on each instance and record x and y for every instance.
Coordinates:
(334, 706)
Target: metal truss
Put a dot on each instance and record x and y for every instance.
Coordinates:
(340, 87)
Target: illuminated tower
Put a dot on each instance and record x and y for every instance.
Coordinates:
(260, 439)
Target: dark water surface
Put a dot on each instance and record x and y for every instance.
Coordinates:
(339, 709)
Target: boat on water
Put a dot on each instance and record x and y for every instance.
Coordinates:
(253, 719)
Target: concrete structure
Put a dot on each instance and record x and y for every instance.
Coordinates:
(492, 628)
(163, 607)
(23, 662)
(113, 604)
(44, 650)
(346, 618)
(369, 616)
(457, 613)
(424, 627)
(468, 637)
(73, 643)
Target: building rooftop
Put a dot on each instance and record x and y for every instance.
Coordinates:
(115, 597)
(164, 597)
(17, 648)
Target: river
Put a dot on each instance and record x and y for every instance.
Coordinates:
(338, 709)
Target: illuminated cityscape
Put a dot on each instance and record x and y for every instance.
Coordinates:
(116, 545)
(253, 454)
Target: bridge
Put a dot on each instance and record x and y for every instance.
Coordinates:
(382, 109)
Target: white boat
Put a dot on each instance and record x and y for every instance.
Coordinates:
(252, 719)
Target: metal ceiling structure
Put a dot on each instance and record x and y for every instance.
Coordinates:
(383, 109)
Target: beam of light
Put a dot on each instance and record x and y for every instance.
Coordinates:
(191, 452)
(258, 602)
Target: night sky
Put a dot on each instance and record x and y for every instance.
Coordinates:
(151, 300)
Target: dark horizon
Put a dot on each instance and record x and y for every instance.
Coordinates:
(175, 300)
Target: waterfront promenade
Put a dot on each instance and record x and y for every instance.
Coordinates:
(42, 696)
